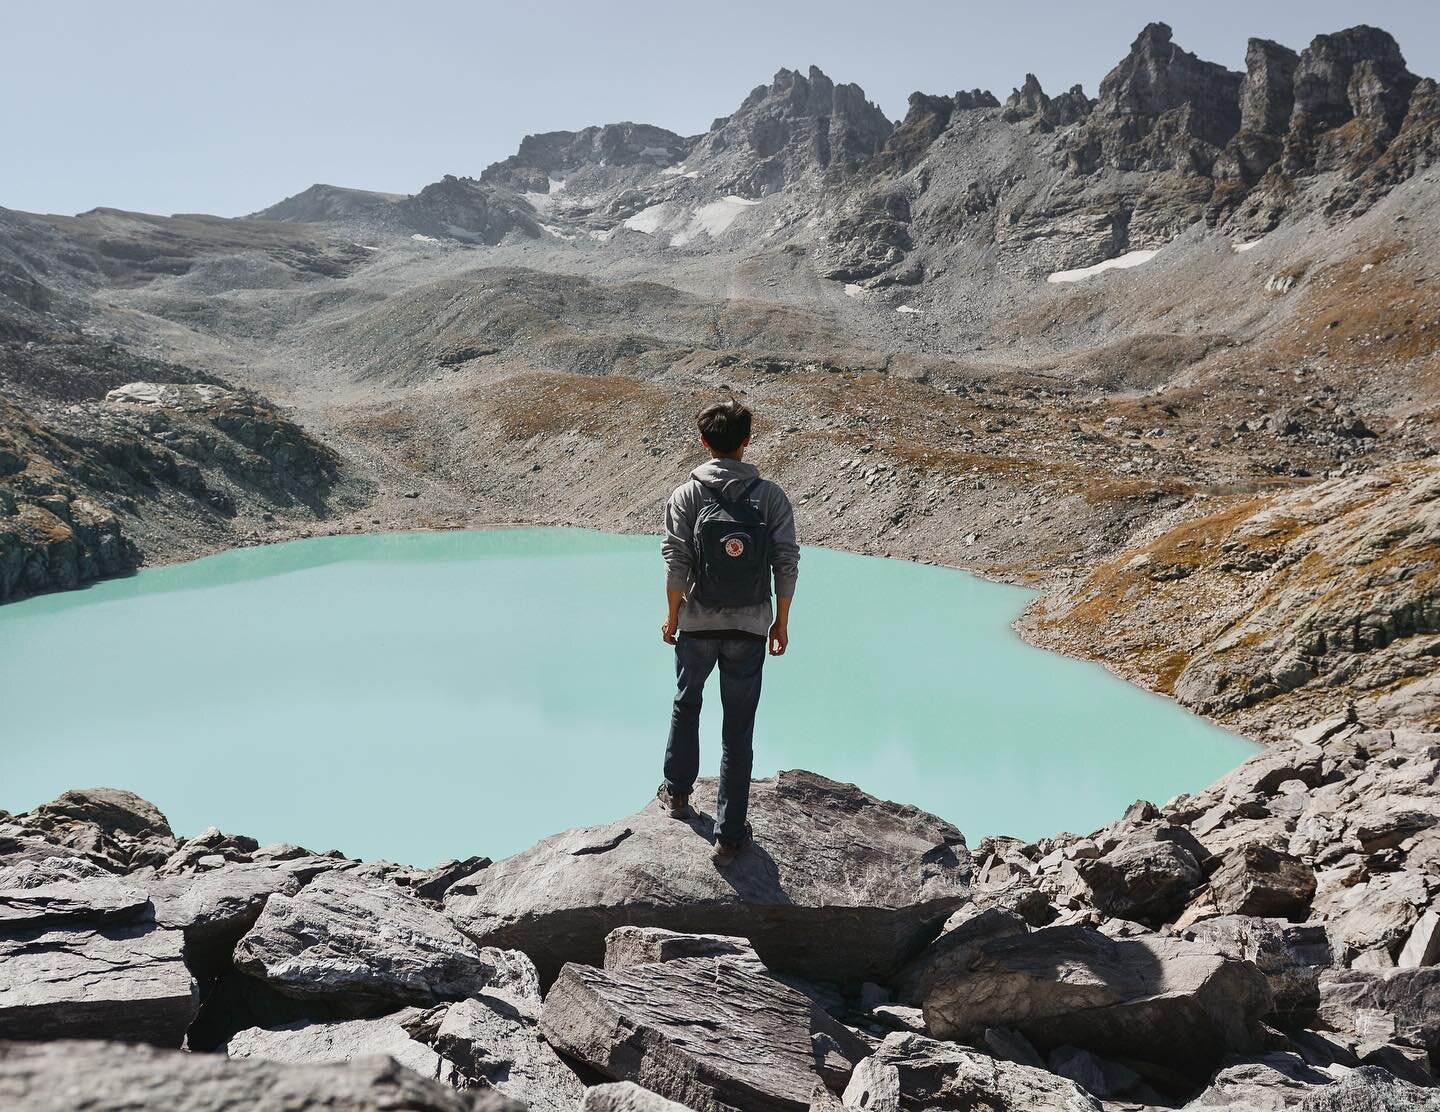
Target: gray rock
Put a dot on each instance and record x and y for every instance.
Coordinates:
(317, 1043)
(1267, 1083)
(495, 1038)
(125, 981)
(1147, 881)
(898, 1017)
(103, 900)
(435, 882)
(105, 824)
(914, 1072)
(1161, 999)
(107, 1077)
(217, 907)
(366, 945)
(1379, 1007)
(1098, 1076)
(1371, 1089)
(1378, 913)
(952, 954)
(626, 1096)
(1423, 945)
(1012, 1046)
(709, 1032)
(627, 946)
(875, 879)
(1291, 955)
(1258, 880)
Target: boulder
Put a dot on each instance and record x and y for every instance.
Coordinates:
(494, 1038)
(1376, 914)
(371, 946)
(1156, 998)
(1368, 1007)
(1259, 880)
(874, 879)
(1148, 881)
(914, 1072)
(217, 907)
(90, 900)
(107, 824)
(1267, 1083)
(713, 1032)
(1422, 947)
(626, 1096)
(121, 981)
(107, 1077)
(952, 953)
(1098, 1076)
(317, 1043)
(1291, 955)
(1371, 1089)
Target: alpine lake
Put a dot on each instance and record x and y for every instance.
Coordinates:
(421, 696)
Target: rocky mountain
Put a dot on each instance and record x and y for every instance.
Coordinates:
(1170, 353)
(1035, 338)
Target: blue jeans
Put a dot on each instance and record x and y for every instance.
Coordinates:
(741, 662)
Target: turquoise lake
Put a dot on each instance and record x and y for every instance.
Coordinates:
(431, 695)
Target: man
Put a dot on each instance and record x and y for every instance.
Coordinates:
(727, 533)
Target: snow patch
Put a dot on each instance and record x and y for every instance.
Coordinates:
(679, 172)
(852, 290)
(909, 309)
(364, 246)
(1241, 248)
(1123, 262)
(685, 224)
(418, 238)
(712, 219)
(650, 220)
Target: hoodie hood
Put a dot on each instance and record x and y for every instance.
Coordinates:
(729, 475)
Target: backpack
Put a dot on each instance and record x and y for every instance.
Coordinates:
(732, 550)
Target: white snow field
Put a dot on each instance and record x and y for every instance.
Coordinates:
(1121, 262)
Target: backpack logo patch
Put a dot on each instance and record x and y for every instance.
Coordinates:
(734, 546)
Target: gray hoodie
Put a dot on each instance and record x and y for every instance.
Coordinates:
(678, 547)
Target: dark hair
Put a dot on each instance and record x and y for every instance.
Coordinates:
(724, 425)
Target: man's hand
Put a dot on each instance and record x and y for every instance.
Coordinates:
(668, 629)
(779, 639)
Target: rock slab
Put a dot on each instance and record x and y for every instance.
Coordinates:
(874, 879)
(1179, 1004)
(713, 1033)
(369, 945)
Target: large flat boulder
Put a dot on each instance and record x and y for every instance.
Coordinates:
(914, 1072)
(88, 900)
(874, 880)
(122, 981)
(713, 1033)
(1178, 1004)
(344, 1041)
(107, 1077)
(369, 945)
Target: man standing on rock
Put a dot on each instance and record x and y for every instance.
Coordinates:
(727, 532)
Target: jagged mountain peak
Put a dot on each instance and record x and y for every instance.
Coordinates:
(798, 125)
(555, 154)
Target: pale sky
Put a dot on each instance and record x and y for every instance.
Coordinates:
(226, 107)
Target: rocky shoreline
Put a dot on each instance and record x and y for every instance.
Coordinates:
(1270, 942)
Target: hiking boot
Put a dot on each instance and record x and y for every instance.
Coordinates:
(678, 805)
(726, 851)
